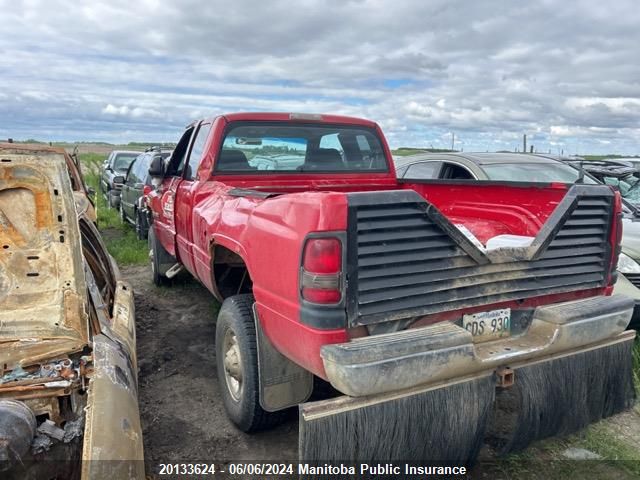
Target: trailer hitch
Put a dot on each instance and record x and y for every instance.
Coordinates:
(504, 377)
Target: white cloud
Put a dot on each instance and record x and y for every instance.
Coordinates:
(489, 71)
(135, 112)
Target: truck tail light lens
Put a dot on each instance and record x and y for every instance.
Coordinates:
(322, 270)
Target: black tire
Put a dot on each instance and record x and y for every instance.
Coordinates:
(236, 316)
(140, 224)
(156, 251)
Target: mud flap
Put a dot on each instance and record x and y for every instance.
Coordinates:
(283, 383)
(449, 422)
(562, 395)
(444, 424)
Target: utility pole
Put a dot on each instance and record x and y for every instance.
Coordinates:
(524, 143)
(453, 140)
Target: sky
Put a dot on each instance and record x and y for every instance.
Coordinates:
(567, 74)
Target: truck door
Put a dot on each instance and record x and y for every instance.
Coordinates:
(183, 206)
(126, 194)
(163, 214)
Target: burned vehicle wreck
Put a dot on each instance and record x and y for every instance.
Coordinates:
(68, 386)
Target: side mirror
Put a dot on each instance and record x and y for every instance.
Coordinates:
(156, 168)
(119, 179)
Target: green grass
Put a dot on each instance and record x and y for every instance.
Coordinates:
(127, 249)
(119, 238)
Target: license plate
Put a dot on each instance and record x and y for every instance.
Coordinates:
(488, 325)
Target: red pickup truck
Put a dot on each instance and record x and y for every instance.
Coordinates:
(429, 306)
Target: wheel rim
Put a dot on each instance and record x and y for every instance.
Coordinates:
(232, 365)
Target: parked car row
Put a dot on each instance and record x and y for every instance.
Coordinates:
(126, 181)
(114, 170)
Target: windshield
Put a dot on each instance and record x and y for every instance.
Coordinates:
(296, 148)
(534, 172)
(122, 161)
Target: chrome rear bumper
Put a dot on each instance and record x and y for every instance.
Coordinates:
(423, 356)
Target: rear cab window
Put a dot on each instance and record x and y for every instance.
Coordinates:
(254, 147)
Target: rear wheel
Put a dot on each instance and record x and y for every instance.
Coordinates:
(237, 366)
(141, 227)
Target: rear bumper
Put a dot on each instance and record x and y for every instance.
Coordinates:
(424, 356)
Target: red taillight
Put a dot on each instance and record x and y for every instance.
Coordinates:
(321, 270)
(322, 255)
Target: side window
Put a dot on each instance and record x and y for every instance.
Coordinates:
(176, 164)
(422, 171)
(132, 174)
(142, 167)
(197, 151)
(451, 171)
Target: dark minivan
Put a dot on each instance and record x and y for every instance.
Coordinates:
(132, 205)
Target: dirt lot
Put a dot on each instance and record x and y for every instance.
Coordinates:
(184, 421)
(182, 414)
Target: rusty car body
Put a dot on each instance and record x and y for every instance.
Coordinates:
(68, 383)
(82, 194)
